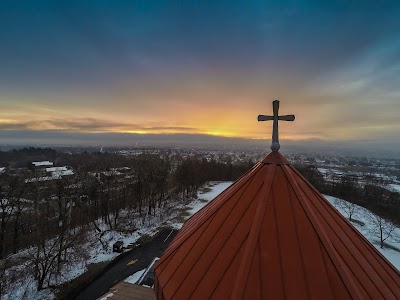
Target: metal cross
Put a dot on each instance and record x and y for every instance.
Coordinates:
(275, 138)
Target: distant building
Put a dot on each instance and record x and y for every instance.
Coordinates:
(45, 171)
(42, 164)
(119, 174)
(58, 172)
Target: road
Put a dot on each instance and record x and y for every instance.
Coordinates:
(136, 260)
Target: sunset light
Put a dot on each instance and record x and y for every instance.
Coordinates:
(111, 70)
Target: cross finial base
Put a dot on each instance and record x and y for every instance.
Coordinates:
(275, 146)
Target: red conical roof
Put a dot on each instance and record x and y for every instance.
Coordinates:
(272, 235)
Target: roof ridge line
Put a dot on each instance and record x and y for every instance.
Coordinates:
(244, 268)
(332, 252)
(298, 239)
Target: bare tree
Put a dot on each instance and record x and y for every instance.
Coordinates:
(11, 191)
(51, 256)
(3, 265)
(381, 228)
(45, 254)
(349, 208)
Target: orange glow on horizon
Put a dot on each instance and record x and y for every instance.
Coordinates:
(226, 127)
(222, 114)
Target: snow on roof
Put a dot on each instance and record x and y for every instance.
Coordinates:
(62, 173)
(135, 277)
(42, 163)
(54, 169)
(54, 175)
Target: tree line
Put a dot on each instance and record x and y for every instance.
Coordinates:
(378, 199)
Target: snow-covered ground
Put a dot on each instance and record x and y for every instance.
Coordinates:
(100, 253)
(395, 187)
(205, 197)
(362, 214)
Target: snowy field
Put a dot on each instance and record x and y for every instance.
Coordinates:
(100, 252)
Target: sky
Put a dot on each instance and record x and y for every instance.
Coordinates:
(81, 68)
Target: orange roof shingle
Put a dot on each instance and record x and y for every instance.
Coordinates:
(271, 235)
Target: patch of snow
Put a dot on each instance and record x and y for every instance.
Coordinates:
(27, 289)
(391, 255)
(40, 179)
(330, 171)
(135, 277)
(395, 187)
(203, 198)
(107, 296)
(216, 189)
(56, 169)
(58, 174)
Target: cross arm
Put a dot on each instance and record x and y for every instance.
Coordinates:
(265, 118)
(287, 118)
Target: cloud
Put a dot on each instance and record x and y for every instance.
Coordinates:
(91, 125)
(13, 126)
